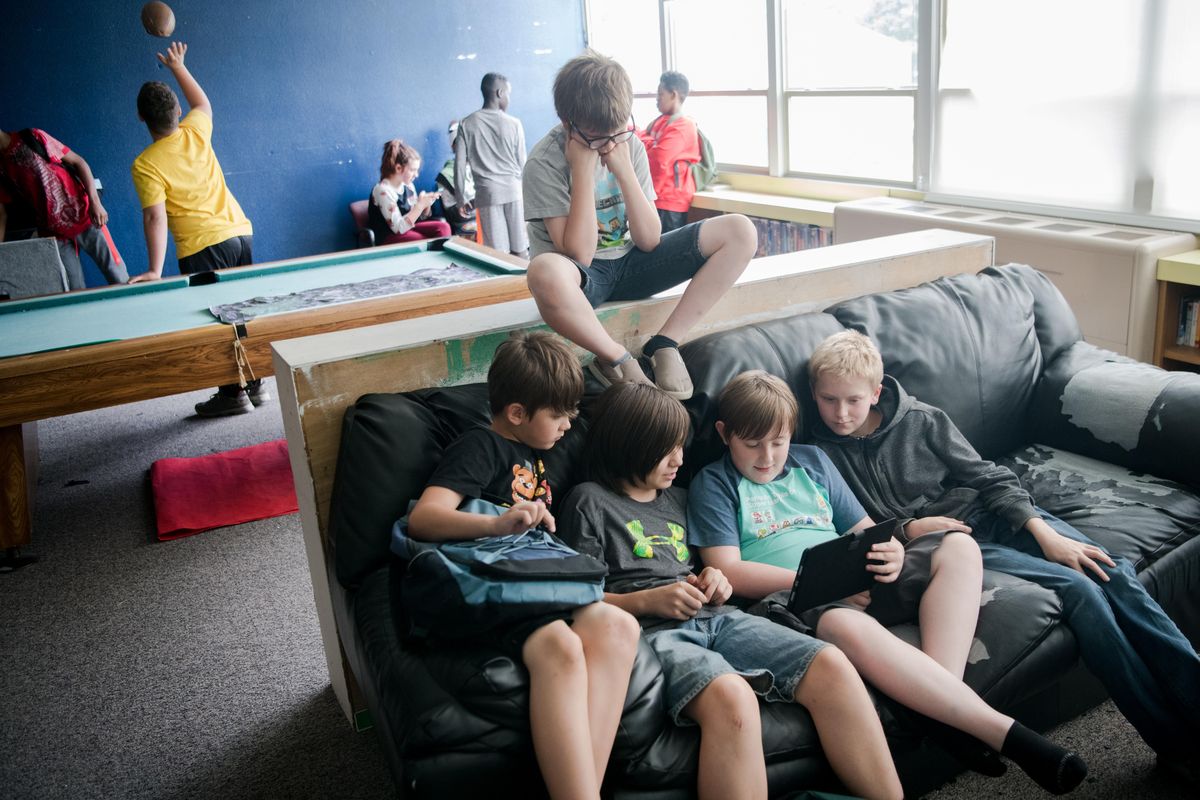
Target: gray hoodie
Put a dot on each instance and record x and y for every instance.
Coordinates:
(918, 464)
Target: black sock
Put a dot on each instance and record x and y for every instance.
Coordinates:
(657, 342)
(965, 748)
(1056, 769)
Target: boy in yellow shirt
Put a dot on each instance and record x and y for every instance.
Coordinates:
(182, 189)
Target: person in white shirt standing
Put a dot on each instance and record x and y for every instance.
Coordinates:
(491, 146)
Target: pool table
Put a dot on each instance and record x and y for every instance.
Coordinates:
(60, 354)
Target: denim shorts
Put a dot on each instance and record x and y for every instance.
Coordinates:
(638, 275)
(770, 657)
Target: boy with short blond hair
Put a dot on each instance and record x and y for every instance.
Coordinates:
(595, 235)
(578, 671)
(752, 515)
(907, 459)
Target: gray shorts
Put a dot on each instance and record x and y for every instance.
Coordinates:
(770, 657)
(504, 227)
(638, 275)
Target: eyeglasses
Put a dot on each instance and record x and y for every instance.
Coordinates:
(598, 142)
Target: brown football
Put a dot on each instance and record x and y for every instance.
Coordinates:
(158, 19)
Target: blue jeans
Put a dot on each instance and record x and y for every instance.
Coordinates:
(773, 659)
(1125, 638)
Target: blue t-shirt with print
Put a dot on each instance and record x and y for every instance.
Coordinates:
(773, 523)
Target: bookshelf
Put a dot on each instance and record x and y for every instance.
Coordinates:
(1178, 278)
(784, 224)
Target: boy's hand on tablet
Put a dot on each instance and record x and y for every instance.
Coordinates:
(886, 559)
(678, 600)
(714, 584)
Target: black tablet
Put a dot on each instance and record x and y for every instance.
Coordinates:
(838, 568)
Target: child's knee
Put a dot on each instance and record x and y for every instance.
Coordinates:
(828, 676)
(727, 702)
(553, 646)
(604, 625)
(728, 230)
(550, 272)
(961, 549)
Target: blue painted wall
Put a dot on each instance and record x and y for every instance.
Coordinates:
(304, 94)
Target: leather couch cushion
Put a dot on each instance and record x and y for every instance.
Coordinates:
(1099, 404)
(966, 344)
(1153, 522)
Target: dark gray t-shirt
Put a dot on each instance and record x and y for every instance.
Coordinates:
(643, 544)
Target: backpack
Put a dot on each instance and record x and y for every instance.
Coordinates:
(463, 589)
(704, 171)
(67, 212)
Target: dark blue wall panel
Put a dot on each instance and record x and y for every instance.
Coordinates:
(304, 94)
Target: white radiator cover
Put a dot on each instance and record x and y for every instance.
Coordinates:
(1106, 272)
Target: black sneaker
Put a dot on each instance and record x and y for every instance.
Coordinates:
(258, 394)
(224, 405)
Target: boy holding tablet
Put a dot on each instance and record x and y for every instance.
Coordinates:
(754, 512)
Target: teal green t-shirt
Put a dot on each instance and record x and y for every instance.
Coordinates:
(772, 523)
(778, 521)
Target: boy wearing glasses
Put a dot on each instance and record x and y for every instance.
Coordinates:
(595, 235)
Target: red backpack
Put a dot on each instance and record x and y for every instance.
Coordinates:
(63, 208)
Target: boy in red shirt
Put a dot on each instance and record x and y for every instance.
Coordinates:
(672, 146)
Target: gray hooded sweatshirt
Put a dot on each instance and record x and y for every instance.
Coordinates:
(918, 464)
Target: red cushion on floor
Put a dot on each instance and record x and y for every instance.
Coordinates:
(198, 494)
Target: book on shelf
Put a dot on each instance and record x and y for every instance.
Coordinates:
(777, 236)
(1188, 333)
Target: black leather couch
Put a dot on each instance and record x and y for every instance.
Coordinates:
(1106, 443)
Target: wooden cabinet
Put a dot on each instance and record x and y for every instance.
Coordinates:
(1178, 277)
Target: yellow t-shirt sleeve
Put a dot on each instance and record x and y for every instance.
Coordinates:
(150, 186)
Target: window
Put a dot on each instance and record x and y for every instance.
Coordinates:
(846, 87)
(1084, 108)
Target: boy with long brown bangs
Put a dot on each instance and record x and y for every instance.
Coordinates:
(579, 662)
(752, 515)
(715, 658)
(907, 459)
(595, 234)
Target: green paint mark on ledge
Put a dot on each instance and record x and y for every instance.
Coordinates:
(467, 360)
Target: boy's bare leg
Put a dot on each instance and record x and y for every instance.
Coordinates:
(911, 677)
(731, 751)
(950, 607)
(558, 712)
(609, 638)
(850, 732)
(728, 242)
(554, 283)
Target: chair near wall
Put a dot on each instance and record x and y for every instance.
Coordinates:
(31, 267)
(364, 235)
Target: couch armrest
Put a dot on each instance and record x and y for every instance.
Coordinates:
(1096, 403)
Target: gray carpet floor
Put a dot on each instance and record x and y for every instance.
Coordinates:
(193, 668)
